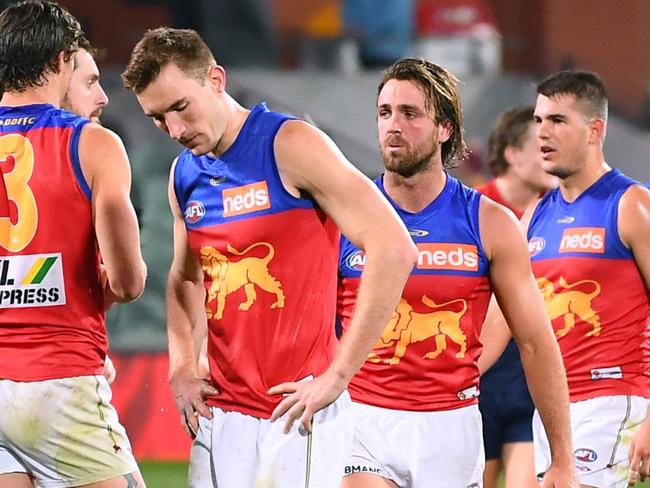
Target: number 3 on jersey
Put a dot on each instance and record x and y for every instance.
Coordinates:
(18, 211)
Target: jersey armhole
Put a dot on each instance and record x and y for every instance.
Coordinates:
(76, 162)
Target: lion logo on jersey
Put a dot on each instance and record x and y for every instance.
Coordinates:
(408, 327)
(229, 276)
(566, 302)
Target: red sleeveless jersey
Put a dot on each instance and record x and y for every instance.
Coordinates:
(426, 358)
(595, 295)
(51, 301)
(269, 267)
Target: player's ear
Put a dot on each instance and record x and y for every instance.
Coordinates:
(445, 130)
(596, 128)
(61, 62)
(509, 154)
(217, 77)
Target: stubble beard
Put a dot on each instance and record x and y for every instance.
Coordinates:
(410, 164)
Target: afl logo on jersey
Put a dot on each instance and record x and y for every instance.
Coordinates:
(356, 260)
(194, 212)
(536, 245)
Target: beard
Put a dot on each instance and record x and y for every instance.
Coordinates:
(66, 104)
(414, 161)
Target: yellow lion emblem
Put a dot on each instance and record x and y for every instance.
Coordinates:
(227, 277)
(569, 303)
(408, 327)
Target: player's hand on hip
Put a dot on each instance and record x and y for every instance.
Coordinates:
(561, 477)
(304, 398)
(639, 455)
(190, 393)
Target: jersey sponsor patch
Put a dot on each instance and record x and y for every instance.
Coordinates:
(444, 255)
(615, 373)
(468, 393)
(34, 280)
(246, 199)
(583, 239)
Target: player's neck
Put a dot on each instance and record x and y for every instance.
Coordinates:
(517, 193)
(236, 116)
(416, 192)
(32, 96)
(573, 186)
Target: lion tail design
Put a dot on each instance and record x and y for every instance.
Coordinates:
(567, 286)
(431, 304)
(266, 259)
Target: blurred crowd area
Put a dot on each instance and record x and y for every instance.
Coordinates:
(321, 60)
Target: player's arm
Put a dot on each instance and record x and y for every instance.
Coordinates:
(495, 332)
(185, 312)
(106, 169)
(495, 335)
(634, 229)
(310, 162)
(523, 308)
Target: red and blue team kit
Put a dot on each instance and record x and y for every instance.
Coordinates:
(594, 293)
(51, 301)
(269, 268)
(426, 358)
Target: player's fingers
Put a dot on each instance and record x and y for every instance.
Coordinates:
(208, 390)
(186, 425)
(283, 389)
(292, 415)
(199, 406)
(306, 419)
(283, 407)
(632, 478)
(644, 468)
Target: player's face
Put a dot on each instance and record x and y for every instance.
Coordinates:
(85, 96)
(409, 137)
(186, 108)
(526, 162)
(562, 135)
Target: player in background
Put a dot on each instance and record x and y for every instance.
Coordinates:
(505, 403)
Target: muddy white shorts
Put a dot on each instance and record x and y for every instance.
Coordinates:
(419, 449)
(602, 430)
(62, 432)
(234, 450)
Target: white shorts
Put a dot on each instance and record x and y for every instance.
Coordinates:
(419, 449)
(62, 432)
(602, 430)
(234, 450)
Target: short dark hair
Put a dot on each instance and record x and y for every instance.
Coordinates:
(441, 96)
(587, 88)
(162, 46)
(509, 131)
(32, 34)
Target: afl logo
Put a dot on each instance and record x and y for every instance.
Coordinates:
(536, 245)
(585, 455)
(194, 212)
(356, 260)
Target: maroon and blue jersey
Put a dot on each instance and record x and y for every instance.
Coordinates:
(51, 298)
(269, 266)
(594, 292)
(426, 358)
